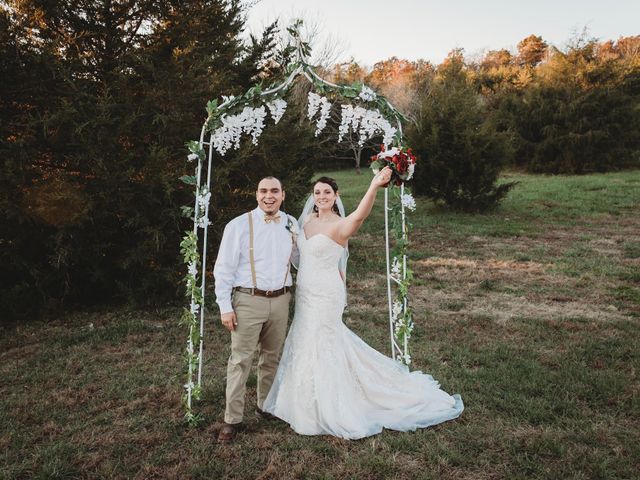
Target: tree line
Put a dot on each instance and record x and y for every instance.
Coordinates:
(543, 109)
(98, 98)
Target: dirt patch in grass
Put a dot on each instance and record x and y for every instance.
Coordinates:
(502, 265)
(560, 272)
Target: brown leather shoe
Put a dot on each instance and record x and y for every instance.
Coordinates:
(228, 432)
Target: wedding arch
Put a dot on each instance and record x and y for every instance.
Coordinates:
(364, 114)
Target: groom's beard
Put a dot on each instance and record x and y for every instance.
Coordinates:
(270, 209)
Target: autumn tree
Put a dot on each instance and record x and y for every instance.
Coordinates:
(348, 73)
(628, 47)
(531, 50)
(494, 59)
(495, 72)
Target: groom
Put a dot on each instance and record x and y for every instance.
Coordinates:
(252, 283)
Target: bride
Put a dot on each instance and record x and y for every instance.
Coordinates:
(329, 381)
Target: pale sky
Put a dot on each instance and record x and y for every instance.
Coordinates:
(375, 30)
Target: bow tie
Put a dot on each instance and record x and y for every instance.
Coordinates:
(272, 218)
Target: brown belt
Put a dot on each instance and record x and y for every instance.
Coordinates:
(263, 293)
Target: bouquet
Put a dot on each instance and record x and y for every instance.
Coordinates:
(402, 163)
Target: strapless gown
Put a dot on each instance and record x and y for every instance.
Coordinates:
(329, 381)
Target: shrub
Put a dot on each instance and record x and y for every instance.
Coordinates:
(460, 153)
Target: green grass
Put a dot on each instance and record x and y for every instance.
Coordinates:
(531, 312)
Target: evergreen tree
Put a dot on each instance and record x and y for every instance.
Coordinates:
(103, 95)
(459, 151)
(21, 255)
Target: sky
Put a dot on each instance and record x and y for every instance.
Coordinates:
(375, 30)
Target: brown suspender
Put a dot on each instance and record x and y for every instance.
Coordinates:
(251, 260)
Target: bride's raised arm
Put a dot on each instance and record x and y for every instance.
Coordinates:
(350, 225)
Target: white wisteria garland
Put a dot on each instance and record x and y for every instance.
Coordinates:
(367, 94)
(249, 121)
(317, 103)
(277, 108)
(367, 123)
(245, 115)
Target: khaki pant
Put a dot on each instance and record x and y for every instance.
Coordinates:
(262, 325)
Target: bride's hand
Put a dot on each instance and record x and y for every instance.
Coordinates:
(382, 178)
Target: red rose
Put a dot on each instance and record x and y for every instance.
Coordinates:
(403, 164)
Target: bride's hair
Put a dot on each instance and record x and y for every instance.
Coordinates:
(334, 186)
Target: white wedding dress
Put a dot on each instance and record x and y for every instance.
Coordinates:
(331, 382)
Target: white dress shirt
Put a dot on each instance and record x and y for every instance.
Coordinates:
(272, 245)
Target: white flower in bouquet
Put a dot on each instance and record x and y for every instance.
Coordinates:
(390, 153)
(412, 168)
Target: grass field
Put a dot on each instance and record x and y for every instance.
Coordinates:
(530, 312)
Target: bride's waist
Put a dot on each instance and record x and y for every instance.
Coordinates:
(315, 294)
(319, 274)
(315, 279)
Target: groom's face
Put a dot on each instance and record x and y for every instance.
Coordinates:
(270, 195)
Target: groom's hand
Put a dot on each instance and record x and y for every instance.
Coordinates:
(229, 321)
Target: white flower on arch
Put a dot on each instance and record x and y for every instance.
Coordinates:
(315, 103)
(249, 121)
(367, 123)
(408, 201)
(395, 267)
(277, 108)
(367, 94)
